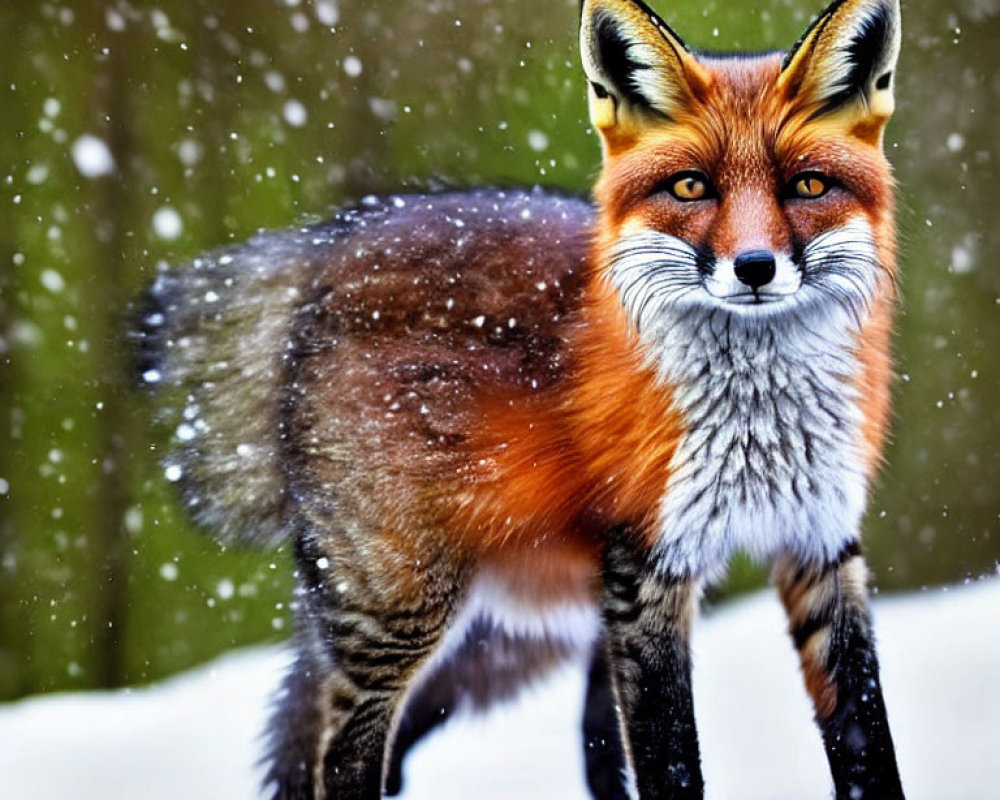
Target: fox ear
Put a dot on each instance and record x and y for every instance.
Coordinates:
(844, 62)
(638, 68)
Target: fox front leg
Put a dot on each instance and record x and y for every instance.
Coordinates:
(602, 739)
(830, 623)
(647, 615)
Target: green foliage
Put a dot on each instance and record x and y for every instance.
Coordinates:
(232, 116)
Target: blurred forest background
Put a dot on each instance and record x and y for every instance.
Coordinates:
(136, 133)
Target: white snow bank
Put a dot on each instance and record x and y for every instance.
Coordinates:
(197, 736)
(194, 736)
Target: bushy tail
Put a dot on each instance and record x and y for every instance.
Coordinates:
(213, 340)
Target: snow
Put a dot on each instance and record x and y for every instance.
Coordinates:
(197, 735)
(189, 152)
(353, 66)
(326, 12)
(92, 156)
(52, 281)
(538, 141)
(172, 472)
(167, 223)
(295, 113)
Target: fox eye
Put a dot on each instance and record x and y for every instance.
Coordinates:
(809, 185)
(689, 185)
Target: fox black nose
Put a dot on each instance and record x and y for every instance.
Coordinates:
(755, 268)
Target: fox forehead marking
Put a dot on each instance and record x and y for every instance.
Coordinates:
(742, 128)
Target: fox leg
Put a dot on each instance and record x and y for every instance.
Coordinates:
(830, 623)
(603, 751)
(296, 726)
(490, 665)
(431, 706)
(361, 643)
(647, 615)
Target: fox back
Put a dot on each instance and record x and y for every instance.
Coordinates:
(506, 427)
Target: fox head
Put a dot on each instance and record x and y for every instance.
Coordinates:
(753, 185)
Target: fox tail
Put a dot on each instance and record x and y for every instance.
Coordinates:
(213, 342)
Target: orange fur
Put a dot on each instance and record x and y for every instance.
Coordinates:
(818, 681)
(555, 464)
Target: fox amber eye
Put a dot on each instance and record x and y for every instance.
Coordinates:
(809, 185)
(689, 185)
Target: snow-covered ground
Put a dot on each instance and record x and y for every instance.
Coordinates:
(197, 735)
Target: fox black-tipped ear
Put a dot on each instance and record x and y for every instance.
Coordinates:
(845, 61)
(636, 65)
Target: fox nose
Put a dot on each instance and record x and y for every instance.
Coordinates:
(755, 268)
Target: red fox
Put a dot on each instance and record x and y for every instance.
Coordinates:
(506, 427)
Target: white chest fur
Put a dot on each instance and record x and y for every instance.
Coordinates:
(770, 460)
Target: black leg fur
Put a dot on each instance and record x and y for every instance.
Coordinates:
(604, 753)
(831, 625)
(856, 735)
(647, 616)
(353, 763)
